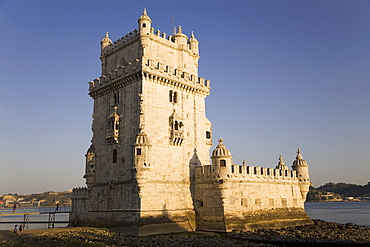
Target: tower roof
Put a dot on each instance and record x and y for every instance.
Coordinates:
(221, 149)
(180, 33)
(299, 161)
(141, 138)
(106, 39)
(281, 165)
(144, 16)
(192, 37)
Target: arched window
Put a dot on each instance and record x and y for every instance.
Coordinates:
(175, 97)
(138, 151)
(176, 125)
(144, 24)
(115, 156)
(222, 162)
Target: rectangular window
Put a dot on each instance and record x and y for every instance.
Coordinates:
(222, 162)
(208, 134)
(138, 151)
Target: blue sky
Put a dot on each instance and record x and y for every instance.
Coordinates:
(284, 74)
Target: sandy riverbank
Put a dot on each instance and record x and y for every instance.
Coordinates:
(320, 234)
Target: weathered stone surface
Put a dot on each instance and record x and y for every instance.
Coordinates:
(148, 170)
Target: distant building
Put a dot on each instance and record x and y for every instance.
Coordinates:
(147, 169)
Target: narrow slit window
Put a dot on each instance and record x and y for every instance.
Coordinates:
(170, 96)
(115, 156)
(208, 134)
(175, 97)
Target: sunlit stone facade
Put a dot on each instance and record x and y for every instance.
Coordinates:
(148, 168)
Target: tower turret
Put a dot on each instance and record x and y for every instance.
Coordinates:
(144, 23)
(106, 41)
(141, 150)
(181, 39)
(194, 45)
(90, 167)
(281, 165)
(105, 44)
(300, 165)
(222, 160)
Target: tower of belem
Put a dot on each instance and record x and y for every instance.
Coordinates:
(148, 167)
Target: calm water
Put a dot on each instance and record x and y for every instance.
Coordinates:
(33, 217)
(340, 212)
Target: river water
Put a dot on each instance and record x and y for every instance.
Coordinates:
(18, 217)
(340, 212)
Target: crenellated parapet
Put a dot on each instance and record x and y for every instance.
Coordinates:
(177, 41)
(177, 78)
(126, 40)
(80, 193)
(244, 172)
(106, 82)
(151, 70)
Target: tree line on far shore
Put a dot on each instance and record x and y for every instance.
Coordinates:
(333, 191)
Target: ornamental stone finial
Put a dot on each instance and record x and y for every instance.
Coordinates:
(220, 140)
(179, 29)
(299, 156)
(281, 160)
(144, 12)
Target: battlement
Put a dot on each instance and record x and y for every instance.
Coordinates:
(80, 193)
(175, 73)
(121, 42)
(155, 69)
(247, 173)
(156, 35)
(116, 74)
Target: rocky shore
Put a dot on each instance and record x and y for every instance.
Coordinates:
(320, 234)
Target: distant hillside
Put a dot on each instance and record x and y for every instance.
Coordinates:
(347, 189)
(46, 199)
(339, 190)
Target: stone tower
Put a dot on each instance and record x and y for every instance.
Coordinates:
(149, 132)
(147, 169)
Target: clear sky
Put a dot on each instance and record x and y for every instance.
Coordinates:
(284, 74)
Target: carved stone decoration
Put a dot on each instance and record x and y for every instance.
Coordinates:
(176, 129)
(113, 127)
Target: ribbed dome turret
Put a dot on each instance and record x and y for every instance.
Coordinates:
(192, 37)
(180, 33)
(145, 17)
(106, 40)
(281, 165)
(91, 149)
(141, 138)
(299, 161)
(221, 150)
